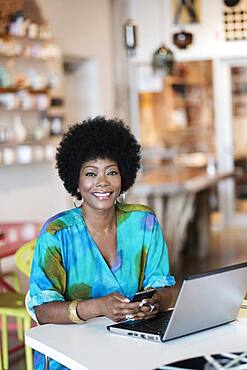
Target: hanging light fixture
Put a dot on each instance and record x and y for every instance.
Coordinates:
(163, 60)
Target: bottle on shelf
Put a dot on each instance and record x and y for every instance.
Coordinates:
(19, 130)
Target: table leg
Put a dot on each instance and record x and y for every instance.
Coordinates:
(47, 363)
(179, 211)
(203, 223)
(199, 228)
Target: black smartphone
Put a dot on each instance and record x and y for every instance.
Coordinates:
(139, 296)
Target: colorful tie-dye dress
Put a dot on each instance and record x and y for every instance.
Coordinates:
(67, 263)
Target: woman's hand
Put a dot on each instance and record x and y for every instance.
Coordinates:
(118, 308)
(160, 301)
(148, 307)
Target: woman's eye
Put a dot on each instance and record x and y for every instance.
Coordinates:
(90, 174)
(112, 173)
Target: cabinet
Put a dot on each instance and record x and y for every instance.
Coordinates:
(31, 99)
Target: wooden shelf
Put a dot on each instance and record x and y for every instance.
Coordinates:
(53, 140)
(7, 36)
(31, 53)
(21, 110)
(14, 89)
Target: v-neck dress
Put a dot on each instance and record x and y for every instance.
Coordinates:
(67, 263)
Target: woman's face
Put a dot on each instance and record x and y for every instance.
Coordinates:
(100, 183)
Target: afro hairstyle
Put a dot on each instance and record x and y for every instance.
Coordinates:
(96, 138)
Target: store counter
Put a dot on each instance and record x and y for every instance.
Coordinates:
(180, 197)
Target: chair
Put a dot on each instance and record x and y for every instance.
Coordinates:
(13, 305)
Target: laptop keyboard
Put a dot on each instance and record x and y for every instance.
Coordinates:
(156, 325)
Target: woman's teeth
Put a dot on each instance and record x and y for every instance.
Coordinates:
(102, 195)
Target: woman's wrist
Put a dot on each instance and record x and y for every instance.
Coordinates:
(72, 312)
(87, 309)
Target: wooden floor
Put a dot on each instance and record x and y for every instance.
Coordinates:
(226, 247)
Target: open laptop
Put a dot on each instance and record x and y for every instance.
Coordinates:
(205, 300)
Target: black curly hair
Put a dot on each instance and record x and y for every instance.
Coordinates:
(97, 138)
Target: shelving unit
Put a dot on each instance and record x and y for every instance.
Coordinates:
(31, 82)
(181, 115)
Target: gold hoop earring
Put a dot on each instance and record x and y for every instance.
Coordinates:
(121, 198)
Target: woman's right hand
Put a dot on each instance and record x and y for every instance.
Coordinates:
(115, 306)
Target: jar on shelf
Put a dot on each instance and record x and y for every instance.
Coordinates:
(23, 154)
(56, 125)
(19, 129)
(8, 156)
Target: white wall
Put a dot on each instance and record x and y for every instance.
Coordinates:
(83, 28)
(30, 192)
(82, 92)
(154, 20)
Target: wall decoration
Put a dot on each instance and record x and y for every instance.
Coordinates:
(231, 2)
(186, 11)
(235, 23)
(130, 37)
(182, 39)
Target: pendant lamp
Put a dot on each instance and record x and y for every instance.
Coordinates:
(163, 60)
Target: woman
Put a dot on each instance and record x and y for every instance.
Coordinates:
(89, 261)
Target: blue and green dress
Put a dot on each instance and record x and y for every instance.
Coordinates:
(68, 265)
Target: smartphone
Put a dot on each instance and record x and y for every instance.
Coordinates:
(139, 296)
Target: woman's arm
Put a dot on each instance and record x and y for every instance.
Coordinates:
(114, 306)
(166, 297)
(58, 312)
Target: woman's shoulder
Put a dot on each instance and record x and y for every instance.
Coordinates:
(61, 221)
(125, 207)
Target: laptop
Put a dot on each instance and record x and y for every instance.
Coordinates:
(205, 300)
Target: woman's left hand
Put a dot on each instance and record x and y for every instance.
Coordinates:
(148, 308)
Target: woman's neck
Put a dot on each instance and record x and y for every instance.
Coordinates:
(99, 220)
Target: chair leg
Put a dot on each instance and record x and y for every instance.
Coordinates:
(28, 350)
(5, 342)
(1, 364)
(20, 334)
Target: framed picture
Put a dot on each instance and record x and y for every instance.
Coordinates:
(186, 11)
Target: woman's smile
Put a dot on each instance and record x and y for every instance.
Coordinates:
(102, 196)
(100, 183)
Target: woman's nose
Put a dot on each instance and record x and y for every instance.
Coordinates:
(102, 180)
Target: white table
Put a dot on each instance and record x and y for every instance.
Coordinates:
(91, 346)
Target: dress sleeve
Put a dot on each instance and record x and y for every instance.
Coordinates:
(48, 277)
(157, 273)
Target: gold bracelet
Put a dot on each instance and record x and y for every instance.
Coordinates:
(73, 316)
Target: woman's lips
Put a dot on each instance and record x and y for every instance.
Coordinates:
(102, 196)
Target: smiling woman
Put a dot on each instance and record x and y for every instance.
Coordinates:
(90, 261)
(99, 183)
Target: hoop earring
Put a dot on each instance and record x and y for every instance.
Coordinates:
(78, 202)
(121, 198)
